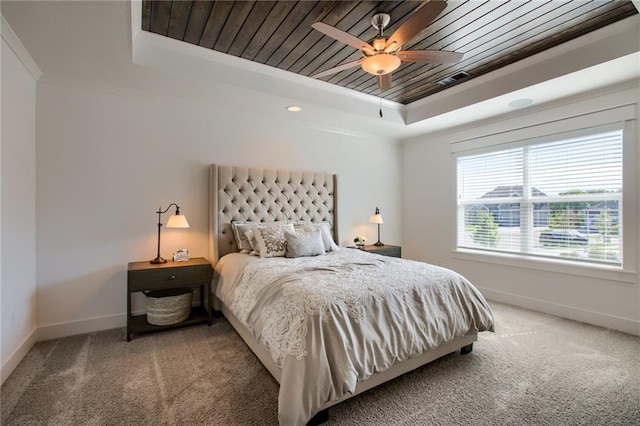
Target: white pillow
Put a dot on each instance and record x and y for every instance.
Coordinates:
(301, 244)
(325, 229)
(271, 240)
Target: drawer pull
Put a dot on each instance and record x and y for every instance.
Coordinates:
(172, 277)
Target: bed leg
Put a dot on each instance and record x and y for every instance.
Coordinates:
(466, 349)
(319, 418)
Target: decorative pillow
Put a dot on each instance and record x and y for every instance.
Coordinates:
(325, 231)
(239, 230)
(271, 240)
(252, 240)
(301, 244)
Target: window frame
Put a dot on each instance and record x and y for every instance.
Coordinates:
(622, 117)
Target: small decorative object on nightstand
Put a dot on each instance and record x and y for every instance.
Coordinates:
(385, 250)
(377, 219)
(189, 274)
(180, 255)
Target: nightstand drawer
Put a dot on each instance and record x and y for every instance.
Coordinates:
(385, 250)
(162, 278)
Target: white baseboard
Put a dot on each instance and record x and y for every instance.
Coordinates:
(15, 358)
(64, 329)
(55, 331)
(625, 325)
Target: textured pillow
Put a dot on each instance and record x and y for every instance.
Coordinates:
(325, 232)
(239, 230)
(271, 240)
(301, 244)
(252, 240)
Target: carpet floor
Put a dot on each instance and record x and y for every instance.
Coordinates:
(536, 369)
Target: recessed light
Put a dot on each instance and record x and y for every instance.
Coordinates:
(519, 103)
(293, 108)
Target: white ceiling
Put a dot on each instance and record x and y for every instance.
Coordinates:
(98, 45)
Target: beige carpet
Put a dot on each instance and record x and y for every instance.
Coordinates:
(535, 370)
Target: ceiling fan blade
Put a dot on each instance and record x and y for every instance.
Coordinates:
(339, 68)
(430, 56)
(342, 36)
(384, 81)
(417, 22)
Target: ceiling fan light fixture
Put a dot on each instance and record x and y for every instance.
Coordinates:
(379, 44)
(381, 64)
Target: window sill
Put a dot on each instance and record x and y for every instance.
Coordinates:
(605, 272)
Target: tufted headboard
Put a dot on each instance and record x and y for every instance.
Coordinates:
(263, 195)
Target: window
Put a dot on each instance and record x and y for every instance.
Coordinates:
(558, 197)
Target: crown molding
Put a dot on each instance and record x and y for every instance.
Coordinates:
(14, 43)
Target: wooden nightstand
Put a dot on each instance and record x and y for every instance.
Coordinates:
(142, 276)
(385, 250)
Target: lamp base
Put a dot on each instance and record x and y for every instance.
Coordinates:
(378, 243)
(158, 260)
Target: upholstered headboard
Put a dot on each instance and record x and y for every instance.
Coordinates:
(263, 195)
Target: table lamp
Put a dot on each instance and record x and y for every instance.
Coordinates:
(175, 221)
(377, 219)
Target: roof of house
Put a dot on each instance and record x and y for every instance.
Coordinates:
(504, 191)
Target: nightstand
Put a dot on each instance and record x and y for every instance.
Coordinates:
(193, 273)
(385, 250)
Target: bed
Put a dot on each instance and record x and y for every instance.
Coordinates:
(327, 322)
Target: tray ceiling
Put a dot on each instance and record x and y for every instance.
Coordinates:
(491, 34)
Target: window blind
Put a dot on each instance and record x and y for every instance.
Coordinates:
(560, 198)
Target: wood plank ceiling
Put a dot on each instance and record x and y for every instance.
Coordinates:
(491, 34)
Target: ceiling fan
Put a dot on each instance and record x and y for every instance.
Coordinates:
(383, 55)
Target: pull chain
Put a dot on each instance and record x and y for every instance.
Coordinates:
(380, 107)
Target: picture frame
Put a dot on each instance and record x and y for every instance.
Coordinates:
(181, 255)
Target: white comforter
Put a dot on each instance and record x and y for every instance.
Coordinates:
(331, 321)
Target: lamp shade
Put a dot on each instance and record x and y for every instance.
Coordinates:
(381, 63)
(177, 221)
(376, 218)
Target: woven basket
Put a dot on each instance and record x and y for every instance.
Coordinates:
(167, 307)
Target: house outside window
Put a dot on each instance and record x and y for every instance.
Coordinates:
(558, 198)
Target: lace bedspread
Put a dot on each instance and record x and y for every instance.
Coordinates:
(331, 321)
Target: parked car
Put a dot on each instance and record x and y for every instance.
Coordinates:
(559, 237)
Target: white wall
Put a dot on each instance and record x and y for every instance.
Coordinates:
(18, 206)
(106, 160)
(429, 220)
